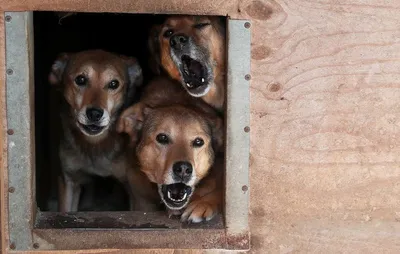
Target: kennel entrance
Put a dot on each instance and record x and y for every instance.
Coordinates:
(31, 228)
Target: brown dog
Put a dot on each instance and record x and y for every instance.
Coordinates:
(96, 86)
(178, 138)
(191, 49)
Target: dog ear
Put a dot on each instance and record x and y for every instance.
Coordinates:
(131, 120)
(135, 73)
(154, 50)
(58, 68)
(217, 132)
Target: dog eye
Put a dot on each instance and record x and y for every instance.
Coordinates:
(162, 139)
(201, 25)
(168, 33)
(198, 142)
(80, 80)
(114, 84)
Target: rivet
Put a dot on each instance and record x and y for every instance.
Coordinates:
(12, 246)
(10, 131)
(245, 188)
(36, 246)
(246, 129)
(9, 71)
(282, 98)
(247, 25)
(11, 189)
(247, 77)
(8, 18)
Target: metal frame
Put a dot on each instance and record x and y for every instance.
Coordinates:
(20, 125)
(237, 136)
(21, 165)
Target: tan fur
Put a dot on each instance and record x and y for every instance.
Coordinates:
(211, 38)
(165, 107)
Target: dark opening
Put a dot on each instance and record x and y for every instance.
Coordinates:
(55, 33)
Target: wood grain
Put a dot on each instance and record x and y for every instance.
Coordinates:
(325, 90)
(325, 126)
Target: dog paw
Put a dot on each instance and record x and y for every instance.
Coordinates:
(198, 211)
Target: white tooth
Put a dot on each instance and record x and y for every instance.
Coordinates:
(184, 196)
(169, 194)
(202, 80)
(189, 85)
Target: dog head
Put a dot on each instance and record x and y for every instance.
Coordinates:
(96, 85)
(191, 50)
(176, 148)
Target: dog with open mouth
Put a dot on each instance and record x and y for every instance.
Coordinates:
(191, 49)
(96, 86)
(178, 138)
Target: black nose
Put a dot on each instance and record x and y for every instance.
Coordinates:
(182, 170)
(178, 41)
(94, 114)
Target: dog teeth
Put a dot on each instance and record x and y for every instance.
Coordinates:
(202, 80)
(189, 85)
(176, 200)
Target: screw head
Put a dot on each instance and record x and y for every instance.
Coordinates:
(11, 189)
(12, 246)
(245, 188)
(8, 18)
(247, 77)
(36, 246)
(247, 25)
(9, 71)
(247, 129)
(10, 131)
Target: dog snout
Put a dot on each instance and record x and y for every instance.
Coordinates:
(178, 41)
(94, 114)
(182, 170)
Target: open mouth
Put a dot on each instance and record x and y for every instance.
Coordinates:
(92, 129)
(194, 73)
(176, 195)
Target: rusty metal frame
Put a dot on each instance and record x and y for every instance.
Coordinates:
(23, 220)
(237, 134)
(20, 125)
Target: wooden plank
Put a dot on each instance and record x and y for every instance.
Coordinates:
(119, 220)
(127, 6)
(325, 126)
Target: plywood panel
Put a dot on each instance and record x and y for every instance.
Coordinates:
(325, 126)
(325, 90)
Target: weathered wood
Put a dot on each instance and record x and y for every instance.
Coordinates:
(325, 118)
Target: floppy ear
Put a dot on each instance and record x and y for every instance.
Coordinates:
(154, 49)
(134, 71)
(135, 76)
(131, 120)
(58, 68)
(217, 132)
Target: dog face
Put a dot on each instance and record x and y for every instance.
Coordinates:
(96, 84)
(191, 50)
(176, 150)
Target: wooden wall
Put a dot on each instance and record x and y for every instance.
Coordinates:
(325, 117)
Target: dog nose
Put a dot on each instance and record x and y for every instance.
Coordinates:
(182, 169)
(178, 41)
(94, 114)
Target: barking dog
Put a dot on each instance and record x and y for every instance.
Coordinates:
(191, 49)
(96, 86)
(178, 138)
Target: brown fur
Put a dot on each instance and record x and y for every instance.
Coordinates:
(103, 154)
(166, 108)
(211, 38)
